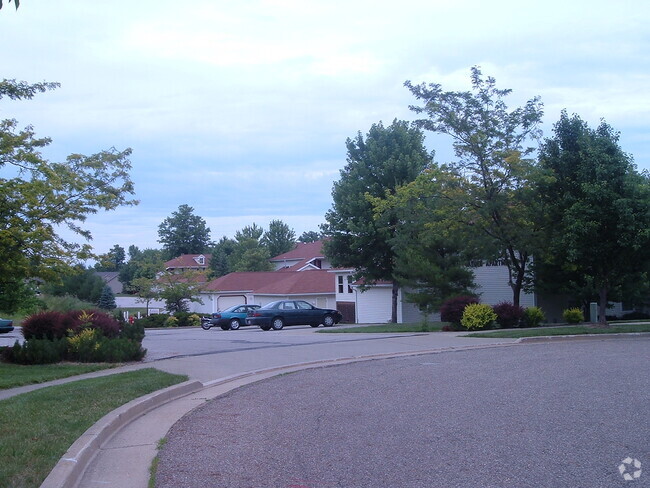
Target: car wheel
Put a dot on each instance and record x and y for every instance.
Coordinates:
(265, 327)
(206, 325)
(328, 321)
(277, 323)
(234, 324)
(314, 325)
(225, 327)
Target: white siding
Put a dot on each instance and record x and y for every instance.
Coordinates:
(135, 302)
(493, 287)
(374, 305)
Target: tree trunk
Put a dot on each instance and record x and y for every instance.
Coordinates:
(602, 306)
(393, 317)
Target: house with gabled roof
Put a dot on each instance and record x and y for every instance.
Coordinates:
(189, 262)
(306, 255)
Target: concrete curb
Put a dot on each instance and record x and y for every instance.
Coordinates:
(583, 337)
(71, 466)
(69, 470)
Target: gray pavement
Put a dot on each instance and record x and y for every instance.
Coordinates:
(537, 415)
(118, 451)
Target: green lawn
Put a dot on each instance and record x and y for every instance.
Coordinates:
(382, 328)
(13, 375)
(565, 330)
(37, 428)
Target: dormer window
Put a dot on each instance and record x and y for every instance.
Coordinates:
(200, 260)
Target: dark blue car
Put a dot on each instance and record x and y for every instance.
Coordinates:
(6, 326)
(231, 318)
(276, 315)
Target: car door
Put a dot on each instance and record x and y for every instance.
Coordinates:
(308, 314)
(290, 314)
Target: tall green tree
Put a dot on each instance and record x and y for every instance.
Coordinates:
(494, 148)
(141, 264)
(107, 299)
(280, 238)
(184, 233)
(179, 289)
(113, 260)
(249, 253)
(220, 263)
(310, 236)
(39, 197)
(377, 164)
(599, 242)
(431, 251)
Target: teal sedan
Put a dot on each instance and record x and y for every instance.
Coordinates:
(6, 326)
(230, 319)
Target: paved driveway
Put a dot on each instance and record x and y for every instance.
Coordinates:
(539, 415)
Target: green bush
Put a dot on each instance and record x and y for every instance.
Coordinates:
(37, 351)
(154, 320)
(134, 331)
(171, 321)
(478, 316)
(533, 317)
(573, 315)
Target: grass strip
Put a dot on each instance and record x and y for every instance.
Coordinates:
(14, 375)
(567, 330)
(37, 428)
(387, 328)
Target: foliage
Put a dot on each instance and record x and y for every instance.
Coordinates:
(84, 284)
(496, 177)
(221, 252)
(154, 320)
(478, 316)
(16, 3)
(64, 303)
(249, 253)
(107, 299)
(310, 236)
(573, 315)
(428, 258)
(599, 243)
(55, 325)
(376, 165)
(113, 260)
(141, 264)
(533, 317)
(42, 197)
(453, 308)
(184, 233)
(187, 319)
(508, 315)
(280, 238)
(177, 289)
(37, 351)
(133, 332)
(171, 321)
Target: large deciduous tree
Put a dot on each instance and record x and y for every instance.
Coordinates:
(431, 251)
(280, 238)
(39, 197)
(249, 253)
(599, 242)
(184, 233)
(377, 165)
(493, 154)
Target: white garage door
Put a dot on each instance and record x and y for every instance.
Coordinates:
(224, 302)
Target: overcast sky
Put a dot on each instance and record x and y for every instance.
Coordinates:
(241, 109)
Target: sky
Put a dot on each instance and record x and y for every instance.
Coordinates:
(241, 109)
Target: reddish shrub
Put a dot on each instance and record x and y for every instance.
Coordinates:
(508, 316)
(44, 325)
(452, 309)
(109, 326)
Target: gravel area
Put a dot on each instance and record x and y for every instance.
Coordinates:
(561, 414)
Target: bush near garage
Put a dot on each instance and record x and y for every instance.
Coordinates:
(573, 315)
(90, 336)
(508, 316)
(154, 320)
(187, 319)
(533, 317)
(478, 316)
(452, 309)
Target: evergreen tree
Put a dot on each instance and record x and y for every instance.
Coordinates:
(184, 233)
(107, 299)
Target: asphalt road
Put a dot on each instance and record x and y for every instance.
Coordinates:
(560, 414)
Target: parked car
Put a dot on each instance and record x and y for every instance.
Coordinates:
(6, 326)
(292, 312)
(230, 319)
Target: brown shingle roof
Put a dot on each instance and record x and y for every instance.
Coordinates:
(274, 283)
(188, 261)
(303, 250)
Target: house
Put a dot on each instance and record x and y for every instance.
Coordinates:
(189, 262)
(306, 255)
(112, 279)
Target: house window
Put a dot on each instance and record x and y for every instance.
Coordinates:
(200, 260)
(340, 278)
(349, 287)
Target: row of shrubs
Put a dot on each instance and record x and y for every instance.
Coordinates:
(179, 319)
(465, 312)
(80, 335)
